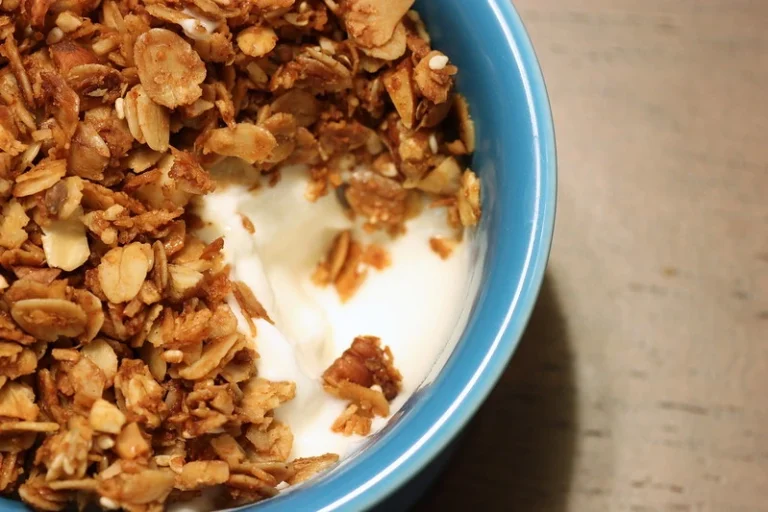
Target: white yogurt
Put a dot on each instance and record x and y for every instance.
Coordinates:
(416, 306)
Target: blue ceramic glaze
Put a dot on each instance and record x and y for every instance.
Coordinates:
(515, 159)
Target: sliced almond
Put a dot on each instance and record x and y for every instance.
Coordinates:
(65, 244)
(443, 179)
(399, 84)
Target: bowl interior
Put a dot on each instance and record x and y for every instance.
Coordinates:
(515, 160)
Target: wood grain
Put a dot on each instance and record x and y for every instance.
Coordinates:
(642, 382)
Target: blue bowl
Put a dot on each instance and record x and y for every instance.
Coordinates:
(515, 159)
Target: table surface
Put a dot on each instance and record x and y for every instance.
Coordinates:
(642, 381)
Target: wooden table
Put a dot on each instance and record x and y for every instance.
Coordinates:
(642, 382)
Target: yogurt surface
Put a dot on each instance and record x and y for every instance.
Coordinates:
(416, 305)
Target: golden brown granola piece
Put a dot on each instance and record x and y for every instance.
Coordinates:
(261, 396)
(443, 179)
(65, 244)
(42, 177)
(249, 489)
(11, 469)
(148, 121)
(69, 54)
(122, 271)
(17, 400)
(14, 220)
(63, 199)
(380, 199)
(248, 302)
(102, 355)
(366, 364)
(64, 104)
(142, 395)
(247, 223)
(169, 69)
(302, 105)
(16, 360)
(401, 89)
(212, 355)
(372, 23)
(392, 49)
(131, 444)
(370, 400)
(65, 454)
(466, 124)
(328, 270)
(315, 70)
(256, 41)
(145, 489)
(228, 449)
(189, 174)
(106, 417)
(443, 247)
(272, 442)
(245, 140)
(283, 127)
(377, 257)
(201, 474)
(434, 76)
(36, 492)
(308, 467)
(354, 420)
(469, 199)
(48, 319)
(352, 274)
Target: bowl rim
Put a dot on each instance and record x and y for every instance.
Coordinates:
(473, 393)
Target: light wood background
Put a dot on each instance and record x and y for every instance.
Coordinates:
(642, 382)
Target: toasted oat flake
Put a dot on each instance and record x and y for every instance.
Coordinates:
(169, 69)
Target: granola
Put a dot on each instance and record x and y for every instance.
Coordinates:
(125, 380)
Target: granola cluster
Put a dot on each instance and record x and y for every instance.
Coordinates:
(124, 379)
(366, 377)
